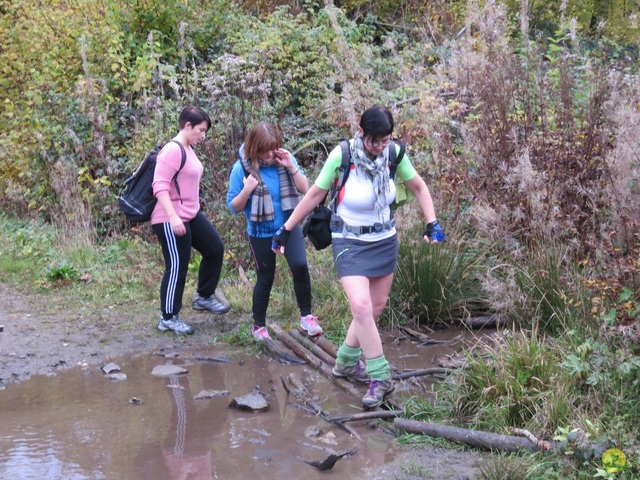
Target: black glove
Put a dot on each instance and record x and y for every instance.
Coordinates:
(435, 232)
(280, 239)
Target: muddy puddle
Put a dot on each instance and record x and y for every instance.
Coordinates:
(81, 425)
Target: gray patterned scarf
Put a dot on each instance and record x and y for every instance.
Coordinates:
(261, 203)
(375, 170)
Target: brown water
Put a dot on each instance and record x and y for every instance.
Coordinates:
(80, 425)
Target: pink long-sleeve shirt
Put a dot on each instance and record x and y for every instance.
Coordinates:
(168, 163)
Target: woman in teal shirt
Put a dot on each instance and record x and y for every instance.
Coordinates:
(265, 184)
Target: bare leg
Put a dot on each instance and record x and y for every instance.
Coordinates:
(367, 298)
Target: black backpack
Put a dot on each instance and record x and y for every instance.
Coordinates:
(317, 225)
(138, 201)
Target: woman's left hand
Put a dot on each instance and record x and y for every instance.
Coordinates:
(283, 158)
(434, 233)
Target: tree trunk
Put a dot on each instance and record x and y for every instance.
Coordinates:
(474, 438)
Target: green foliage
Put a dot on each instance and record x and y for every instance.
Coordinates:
(516, 381)
(61, 272)
(435, 283)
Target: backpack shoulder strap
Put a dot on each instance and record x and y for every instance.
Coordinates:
(182, 162)
(345, 168)
(394, 159)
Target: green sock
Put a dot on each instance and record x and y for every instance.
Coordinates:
(348, 356)
(378, 368)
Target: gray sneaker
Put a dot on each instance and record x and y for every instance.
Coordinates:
(211, 304)
(356, 372)
(175, 325)
(378, 389)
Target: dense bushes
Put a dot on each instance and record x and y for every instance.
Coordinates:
(522, 118)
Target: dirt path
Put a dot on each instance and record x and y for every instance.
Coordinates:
(41, 337)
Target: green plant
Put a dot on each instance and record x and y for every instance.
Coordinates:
(506, 467)
(61, 272)
(435, 283)
(512, 383)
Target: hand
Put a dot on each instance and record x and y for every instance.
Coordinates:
(434, 233)
(177, 225)
(250, 183)
(283, 159)
(280, 240)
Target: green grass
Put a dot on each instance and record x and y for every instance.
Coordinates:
(435, 283)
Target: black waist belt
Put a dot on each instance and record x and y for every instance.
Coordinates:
(375, 228)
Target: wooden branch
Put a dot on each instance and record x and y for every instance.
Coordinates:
(298, 349)
(221, 296)
(277, 348)
(473, 438)
(324, 415)
(310, 345)
(352, 417)
(482, 322)
(243, 277)
(414, 333)
(430, 341)
(325, 369)
(313, 360)
(327, 346)
(419, 373)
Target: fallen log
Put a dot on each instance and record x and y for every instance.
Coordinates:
(313, 360)
(422, 337)
(326, 345)
(473, 438)
(325, 369)
(431, 341)
(353, 417)
(243, 277)
(310, 345)
(281, 351)
(324, 415)
(491, 321)
(419, 373)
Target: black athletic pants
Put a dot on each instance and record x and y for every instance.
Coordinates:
(265, 260)
(200, 235)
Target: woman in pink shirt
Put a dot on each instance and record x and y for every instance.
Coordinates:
(180, 225)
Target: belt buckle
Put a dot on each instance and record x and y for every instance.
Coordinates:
(377, 227)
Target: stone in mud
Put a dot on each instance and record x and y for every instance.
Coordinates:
(207, 394)
(117, 377)
(253, 402)
(168, 370)
(110, 368)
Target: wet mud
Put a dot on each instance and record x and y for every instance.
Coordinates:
(80, 424)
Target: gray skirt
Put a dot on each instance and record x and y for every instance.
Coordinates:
(367, 259)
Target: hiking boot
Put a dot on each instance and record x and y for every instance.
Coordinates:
(378, 389)
(310, 325)
(260, 333)
(211, 304)
(356, 372)
(175, 325)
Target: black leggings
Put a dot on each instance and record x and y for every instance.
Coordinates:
(200, 235)
(265, 260)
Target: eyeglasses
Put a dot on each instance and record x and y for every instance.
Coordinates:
(379, 144)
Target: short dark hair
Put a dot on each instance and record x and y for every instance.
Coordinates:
(263, 137)
(193, 115)
(376, 122)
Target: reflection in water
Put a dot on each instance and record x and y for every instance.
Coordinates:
(194, 462)
(79, 425)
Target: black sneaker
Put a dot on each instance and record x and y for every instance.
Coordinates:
(378, 389)
(175, 325)
(211, 304)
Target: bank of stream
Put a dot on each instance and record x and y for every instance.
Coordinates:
(63, 418)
